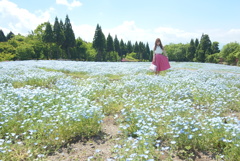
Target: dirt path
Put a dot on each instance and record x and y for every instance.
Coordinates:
(96, 148)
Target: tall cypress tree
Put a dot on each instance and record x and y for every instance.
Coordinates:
(204, 48)
(136, 47)
(110, 46)
(99, 43)
(70, 40)
(58, 35)
(116, 45)
(129, 47)
(48, 38)
(10, 35)
(191, 51)
(147, 51)
(122, 49)
(2, 37)
(48, 34)
(196, 43)
(141, 51)
(215, 47)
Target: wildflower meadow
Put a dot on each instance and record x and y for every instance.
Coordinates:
(188, 110)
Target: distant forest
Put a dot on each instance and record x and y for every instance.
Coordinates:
(58, 41)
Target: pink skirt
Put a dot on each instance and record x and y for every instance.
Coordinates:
(161, 62)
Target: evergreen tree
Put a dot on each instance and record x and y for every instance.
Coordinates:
(191, 51)
(122, 49)
(10, 35)
(2, 37)
(99, 43)
(136, 49)
(129, 47)
(70, 40)
(48, 38)
(147, 51)
(141, 52)
(215, 47)
(110, 46)
(48, 34)
(58, 36)
(196, 43)
(116, 45)
(204, 48)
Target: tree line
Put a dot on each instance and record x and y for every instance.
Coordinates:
(57, 41)
(204, 51)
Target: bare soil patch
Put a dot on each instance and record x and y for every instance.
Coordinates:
(97, 148)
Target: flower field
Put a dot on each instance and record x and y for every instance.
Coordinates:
(189, 110)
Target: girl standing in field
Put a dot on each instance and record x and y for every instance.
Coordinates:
(160, 58)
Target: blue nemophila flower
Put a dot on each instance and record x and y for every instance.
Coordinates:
(190, 136)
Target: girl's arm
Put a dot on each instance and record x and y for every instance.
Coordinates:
(154, 56)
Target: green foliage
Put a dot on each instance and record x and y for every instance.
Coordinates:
(48, 34)
(58, 33)
(116, 44)
(25, 52)
(176, 52)
(70, 40)
(214, 58)
(132, 57)
(230, 53)
(7, 51)
(2, 37)
(110, 45)
(191, 51)
(112, 56)
(99, 43)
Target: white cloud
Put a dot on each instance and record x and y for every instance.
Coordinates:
(70, 6)
(128, 30)
(19, 20)
(86, 32)
(173, 35)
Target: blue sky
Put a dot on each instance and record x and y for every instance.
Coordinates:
(174, 21)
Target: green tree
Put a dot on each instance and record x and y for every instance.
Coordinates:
(141, 51)
(191, 51)
(196, 43)
(10, 35)
(230, 52)
(147, 53)
(110, 46)
(215, 47)
(204, 48)
(116, 45)
(47, 37)
(81, 50)
(39, 31)
(2, 37)
(25, 52)
(48, 34)
(129, 47)
(136, 49)
(7, 51)
(99, 43)
(122, 49)
(69, 37)
(59, 37)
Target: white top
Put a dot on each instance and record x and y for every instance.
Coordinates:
(158, 50)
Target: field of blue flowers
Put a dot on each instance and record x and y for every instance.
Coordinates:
(188, 110)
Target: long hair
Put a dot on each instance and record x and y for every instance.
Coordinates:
(158, 40)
